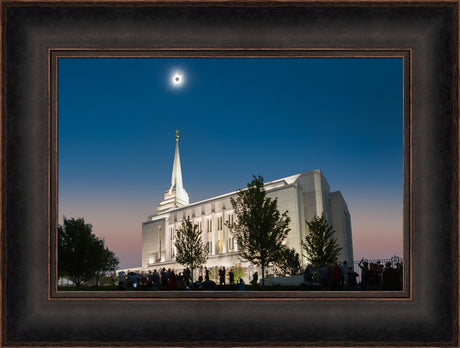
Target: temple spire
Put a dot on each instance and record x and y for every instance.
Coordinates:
(176, 177)
(175, 196)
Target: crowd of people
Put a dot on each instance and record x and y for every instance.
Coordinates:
(169, 280)
(374, 276)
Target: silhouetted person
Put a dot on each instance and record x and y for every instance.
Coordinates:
(231, 277)
(308, 275)
(198, 283)
(155, 280)
(164, 279)
(390, 278)
(343, 274)
(222, 276)
(336, 276)
(255, 277)
(172, 281)
(324, 276)
(241, 285)
(364, 265)
(121, 280)
(208, 284)
(352, 276)
(187, 274)
(132, 280)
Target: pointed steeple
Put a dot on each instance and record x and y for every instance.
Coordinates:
(175, 196)
(176, 177)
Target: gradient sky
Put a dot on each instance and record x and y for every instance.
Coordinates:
(236, 117)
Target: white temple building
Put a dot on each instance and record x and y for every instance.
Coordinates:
(303, 195)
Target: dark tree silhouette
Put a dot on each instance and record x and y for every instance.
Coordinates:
(190, 250)
(260, 228)
(107, 260)
(288, 261)
(320, 246)
(81, 255)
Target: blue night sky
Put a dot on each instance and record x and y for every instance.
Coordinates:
(236, 117)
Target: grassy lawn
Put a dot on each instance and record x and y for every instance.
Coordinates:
(87, 288)
(224, 288)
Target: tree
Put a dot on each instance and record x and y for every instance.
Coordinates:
(106, 260)
(260, 228)
(81, 255)
(320, 246)
(288, 261)
(190, 250)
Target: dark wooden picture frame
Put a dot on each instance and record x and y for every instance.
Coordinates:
(35, 34)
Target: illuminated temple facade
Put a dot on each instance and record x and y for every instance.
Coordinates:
(303, 195)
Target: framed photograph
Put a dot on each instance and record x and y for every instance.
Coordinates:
(38, 39)
(217, 151)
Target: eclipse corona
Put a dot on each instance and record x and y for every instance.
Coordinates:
(177, 79)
